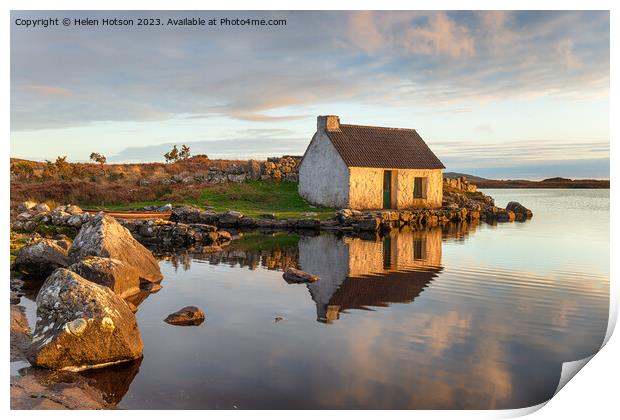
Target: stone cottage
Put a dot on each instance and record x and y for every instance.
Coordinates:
(363, 167)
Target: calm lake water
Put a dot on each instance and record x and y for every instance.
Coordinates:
(468, 317)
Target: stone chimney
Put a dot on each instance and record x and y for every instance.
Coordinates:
(328, 123)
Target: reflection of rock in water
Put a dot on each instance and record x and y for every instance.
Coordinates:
(460, 231)
(274, 259)
(113, 381)
(357, 273)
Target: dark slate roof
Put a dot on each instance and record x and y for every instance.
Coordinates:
(383, 147)
(383, 289)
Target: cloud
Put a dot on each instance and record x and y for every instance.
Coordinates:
(47, 90)
(566, 52)
(234, 148)
(364, 33)
(440, 36)
(484, 129)
(402, 59)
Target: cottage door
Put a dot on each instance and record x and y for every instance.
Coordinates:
(387, 189)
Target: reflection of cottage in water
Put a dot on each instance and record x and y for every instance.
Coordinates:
(358, 274)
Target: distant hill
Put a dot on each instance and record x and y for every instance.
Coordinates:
(557, 179)
(555, 182)
(472, 178)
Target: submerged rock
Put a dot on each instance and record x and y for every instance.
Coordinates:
(118, 276)
(104, 237)
(41, 258)
(82, 325)
(190, 315)
(293, 275)
(38, 389)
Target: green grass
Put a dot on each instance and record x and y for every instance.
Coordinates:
(265, 242)
(251, 198)
(51, 230)
(17, 243)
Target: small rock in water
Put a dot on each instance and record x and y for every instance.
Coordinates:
(293, 275)
(519, 209)
(190, 315)
(279, 318)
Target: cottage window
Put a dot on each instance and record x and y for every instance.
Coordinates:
(387, 253)
(419, 187)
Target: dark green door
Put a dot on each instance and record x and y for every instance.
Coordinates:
(387, 189)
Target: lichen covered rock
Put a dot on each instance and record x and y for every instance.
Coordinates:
(82, 325)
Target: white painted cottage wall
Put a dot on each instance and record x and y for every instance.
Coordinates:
(323, 175)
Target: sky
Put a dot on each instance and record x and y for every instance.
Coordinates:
(495, 94)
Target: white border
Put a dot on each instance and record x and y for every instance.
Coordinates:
(593, 394)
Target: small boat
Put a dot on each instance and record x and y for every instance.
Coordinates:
(134, 215)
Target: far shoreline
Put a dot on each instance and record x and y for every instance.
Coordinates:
(521, 184)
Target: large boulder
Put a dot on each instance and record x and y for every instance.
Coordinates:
(104, 237)
(41, 258)
(82, 325)
(118, 276)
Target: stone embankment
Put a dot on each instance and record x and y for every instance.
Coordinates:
(283, 168)
(457, 208)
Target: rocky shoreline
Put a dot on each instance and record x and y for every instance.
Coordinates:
(457, 208)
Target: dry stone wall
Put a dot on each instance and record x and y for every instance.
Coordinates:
(460, 183)
(283, 168)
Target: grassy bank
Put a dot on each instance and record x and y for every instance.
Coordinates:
(252, 198)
